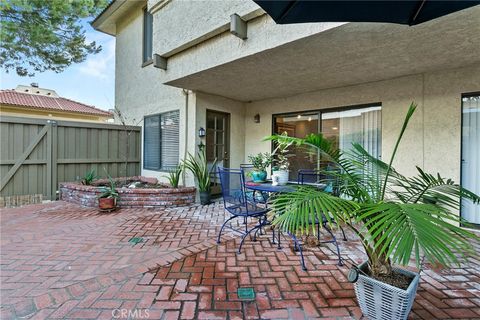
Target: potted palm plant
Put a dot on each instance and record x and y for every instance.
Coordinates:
(395, 217)
(107, 200)
(280, 153)
(202, 172)
(260, 163)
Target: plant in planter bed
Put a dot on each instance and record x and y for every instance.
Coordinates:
(260, 164)
(202, 171)
(395, 217)
(89, 178)
(174, 176)
(107, 200)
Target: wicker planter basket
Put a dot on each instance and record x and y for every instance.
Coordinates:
(381, 301)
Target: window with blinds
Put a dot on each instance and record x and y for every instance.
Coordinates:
(161, 141)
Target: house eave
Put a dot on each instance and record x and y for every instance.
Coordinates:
(106, 21)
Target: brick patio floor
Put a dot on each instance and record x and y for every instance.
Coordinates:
(62, 261)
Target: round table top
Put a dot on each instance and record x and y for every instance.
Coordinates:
(268, 187)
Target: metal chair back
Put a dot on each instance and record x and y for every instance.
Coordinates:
(247, 169)
(233, 189)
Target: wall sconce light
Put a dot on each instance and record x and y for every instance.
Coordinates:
(201, 132)
(256, 118)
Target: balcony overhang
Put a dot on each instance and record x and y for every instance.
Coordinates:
(350, 54)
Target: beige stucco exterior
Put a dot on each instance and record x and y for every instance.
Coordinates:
(296, 68)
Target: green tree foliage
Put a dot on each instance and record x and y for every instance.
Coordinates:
(41, 35)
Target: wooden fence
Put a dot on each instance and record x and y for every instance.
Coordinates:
(37, 154)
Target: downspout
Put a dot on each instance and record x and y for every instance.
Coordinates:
(186, 92)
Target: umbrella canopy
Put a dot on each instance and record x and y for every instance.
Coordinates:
(402, 12)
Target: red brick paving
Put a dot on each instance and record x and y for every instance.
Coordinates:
(59, 261)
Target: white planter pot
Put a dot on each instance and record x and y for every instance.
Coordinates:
(381, 301)
(282, 176)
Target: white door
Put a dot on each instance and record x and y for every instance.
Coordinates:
(471, 155)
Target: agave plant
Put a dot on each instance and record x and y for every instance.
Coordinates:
(174, 175)
(89, 177)
(109, 191)
(395, 216)
(200, 169)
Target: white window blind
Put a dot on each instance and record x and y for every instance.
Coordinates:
(471, 155)
(170, 139)
(161, 141)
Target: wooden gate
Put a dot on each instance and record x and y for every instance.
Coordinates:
(37, 154)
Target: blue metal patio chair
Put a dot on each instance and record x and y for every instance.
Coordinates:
(236, 203)
(313, 177)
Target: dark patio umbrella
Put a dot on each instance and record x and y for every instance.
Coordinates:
(402, 12)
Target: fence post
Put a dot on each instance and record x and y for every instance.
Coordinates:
(49, 160)
(54, 134)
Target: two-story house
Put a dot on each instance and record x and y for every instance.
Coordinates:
(183, 66)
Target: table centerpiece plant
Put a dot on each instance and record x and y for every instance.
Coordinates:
(260, 163)
(396, 218)
(280, 160)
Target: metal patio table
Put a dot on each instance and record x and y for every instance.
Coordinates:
(266, 189)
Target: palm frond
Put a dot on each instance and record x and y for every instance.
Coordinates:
(298, 211)
(402, 229)
(429, 188)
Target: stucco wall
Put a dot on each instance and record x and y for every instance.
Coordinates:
(432, 140)
(139, 90)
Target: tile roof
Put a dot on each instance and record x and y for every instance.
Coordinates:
(28, 100)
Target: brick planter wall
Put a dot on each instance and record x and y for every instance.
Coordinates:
(129, 198)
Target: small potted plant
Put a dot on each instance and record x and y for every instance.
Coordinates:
(280, 169)
(202, 172)
(395, 217)
(260, 164)
(107, 200)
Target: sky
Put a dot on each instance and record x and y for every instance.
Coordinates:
(91, 82)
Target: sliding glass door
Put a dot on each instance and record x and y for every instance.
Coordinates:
(299, 126)
(471, 155)
(343, 127)
(362, 125)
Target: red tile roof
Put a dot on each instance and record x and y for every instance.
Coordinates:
(36, 101)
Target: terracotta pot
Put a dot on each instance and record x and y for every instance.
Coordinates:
(107, 204)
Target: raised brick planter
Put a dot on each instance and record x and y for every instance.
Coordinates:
(129, 198)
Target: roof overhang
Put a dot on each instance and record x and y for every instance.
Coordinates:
(106, 21)
(350, 54)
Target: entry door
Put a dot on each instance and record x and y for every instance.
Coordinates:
(471, 155)
(218, 143)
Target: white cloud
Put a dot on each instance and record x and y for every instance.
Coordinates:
(101, 65)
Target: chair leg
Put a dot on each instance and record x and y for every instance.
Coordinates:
(273, 235)
(344, 236)
(297, 245)
(245, 236)
(334, 241)
(278, 243)
(223, 226)
(318, 232)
